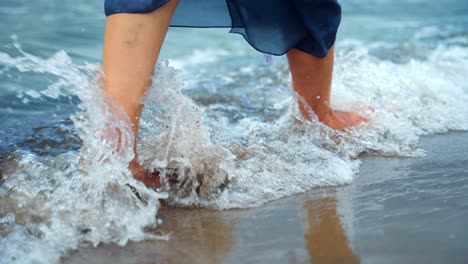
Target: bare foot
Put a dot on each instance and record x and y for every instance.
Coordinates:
(150, 179)
(340, 120)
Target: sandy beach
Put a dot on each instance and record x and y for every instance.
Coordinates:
(396, 211)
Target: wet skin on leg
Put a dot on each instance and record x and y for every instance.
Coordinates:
(132, 43)
(312, 79)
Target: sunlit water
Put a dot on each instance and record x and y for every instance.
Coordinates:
(217, 114)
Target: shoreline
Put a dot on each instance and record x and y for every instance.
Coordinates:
(346, 224)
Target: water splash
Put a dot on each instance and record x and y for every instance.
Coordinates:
(51, 205)
(225, 154)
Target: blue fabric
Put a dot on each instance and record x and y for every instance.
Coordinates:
(132, 6)
(270, 26)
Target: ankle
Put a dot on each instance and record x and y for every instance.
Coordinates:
(136, 169)
(322, 112)
(321, 109)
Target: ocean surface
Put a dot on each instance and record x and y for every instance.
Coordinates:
(217, 113)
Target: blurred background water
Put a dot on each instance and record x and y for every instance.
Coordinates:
(407, 59)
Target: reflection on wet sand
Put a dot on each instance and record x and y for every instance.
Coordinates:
(200, 236)
(325, 237)
(211, 236)
(197, 236)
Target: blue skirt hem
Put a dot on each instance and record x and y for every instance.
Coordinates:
(269, 26)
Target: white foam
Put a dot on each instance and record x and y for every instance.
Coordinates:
(59, 203)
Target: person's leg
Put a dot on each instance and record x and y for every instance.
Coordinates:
(131, 47)
(312, 78)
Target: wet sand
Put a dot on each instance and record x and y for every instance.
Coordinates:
(397, 210)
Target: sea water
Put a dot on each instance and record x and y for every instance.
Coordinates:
(219, 116)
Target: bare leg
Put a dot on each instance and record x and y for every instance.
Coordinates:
(312, 79)
(131, 48)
